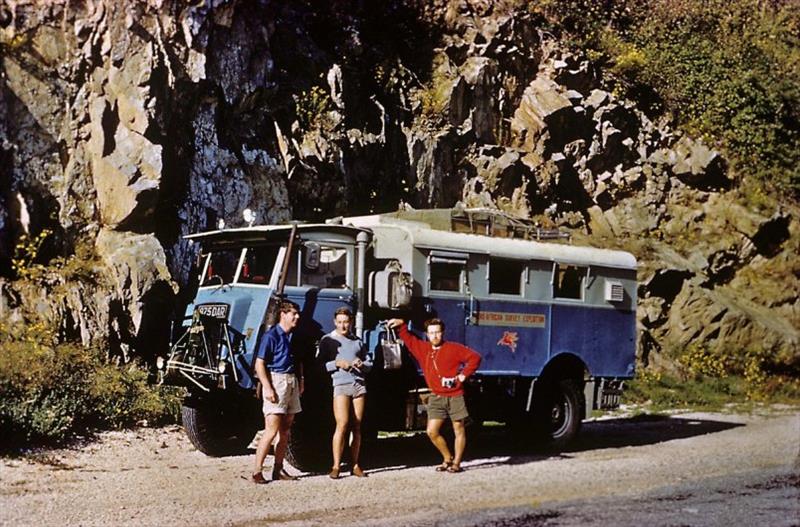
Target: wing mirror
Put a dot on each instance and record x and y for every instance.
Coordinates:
(311, 253)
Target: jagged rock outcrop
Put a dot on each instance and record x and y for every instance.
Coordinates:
(124, 125)
(109, 129)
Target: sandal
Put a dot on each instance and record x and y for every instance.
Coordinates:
(444, 467)
(455, 469)
(258, 479)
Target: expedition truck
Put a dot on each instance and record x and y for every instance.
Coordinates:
(554, 323)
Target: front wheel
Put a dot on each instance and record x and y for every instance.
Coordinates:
(219, 428)
(557, 414)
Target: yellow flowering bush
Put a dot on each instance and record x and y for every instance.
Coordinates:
(698, 360)
(26, 251)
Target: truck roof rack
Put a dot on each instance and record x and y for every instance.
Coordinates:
(485, 221)
(500, 224)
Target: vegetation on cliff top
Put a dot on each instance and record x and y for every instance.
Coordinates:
(726, 70)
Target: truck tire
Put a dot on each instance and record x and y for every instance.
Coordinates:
(557, 414)
(214, 431)
(309, 447)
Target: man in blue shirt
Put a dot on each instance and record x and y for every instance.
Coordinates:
(281, 378)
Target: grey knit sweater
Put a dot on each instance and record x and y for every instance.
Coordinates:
(334, 346)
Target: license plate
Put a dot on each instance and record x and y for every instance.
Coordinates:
(218, 311)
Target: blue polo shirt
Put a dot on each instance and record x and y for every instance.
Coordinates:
(276, 350)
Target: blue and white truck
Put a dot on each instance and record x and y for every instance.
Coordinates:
(554, 323)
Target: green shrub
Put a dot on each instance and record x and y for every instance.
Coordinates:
(53, 390)
(434, 100)
(725, 69)
(81, 265)
(434, 96)
(123, 397)
(706, 379)
(663, 391)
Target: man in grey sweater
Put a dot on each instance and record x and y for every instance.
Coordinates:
(346, 360)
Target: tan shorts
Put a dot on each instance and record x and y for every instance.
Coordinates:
(287, 388)
(442, 407)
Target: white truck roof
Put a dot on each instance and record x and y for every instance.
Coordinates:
(395, 235)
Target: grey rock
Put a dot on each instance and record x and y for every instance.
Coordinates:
(697, 165)
(157, 120)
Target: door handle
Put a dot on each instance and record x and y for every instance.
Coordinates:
(469, 319)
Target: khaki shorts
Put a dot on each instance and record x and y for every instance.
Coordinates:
(442, 407)
(351, 389)
(287, 388)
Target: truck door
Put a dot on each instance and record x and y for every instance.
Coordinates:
(321, 279)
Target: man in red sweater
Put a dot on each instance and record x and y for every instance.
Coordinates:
(445, 365)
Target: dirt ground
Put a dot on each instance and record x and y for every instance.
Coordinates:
(155, 477)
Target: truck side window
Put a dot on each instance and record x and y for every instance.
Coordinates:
(568, 281)
(258, 265)
(331, 271)
(445, 276)
(505, 276)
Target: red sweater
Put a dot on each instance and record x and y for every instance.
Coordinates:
(448, 360)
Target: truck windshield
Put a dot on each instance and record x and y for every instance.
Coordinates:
(258, 265)
(221, 267)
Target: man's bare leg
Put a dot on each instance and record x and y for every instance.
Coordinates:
(461, 441)
(341, 412)
(271, 429)
(285, 427)
(434, 425)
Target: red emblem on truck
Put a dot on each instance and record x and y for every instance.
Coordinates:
(509, 339)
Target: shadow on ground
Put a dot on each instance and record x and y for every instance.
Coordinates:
(643, 430)
(496, 445)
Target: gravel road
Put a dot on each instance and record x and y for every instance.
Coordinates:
(637, 468)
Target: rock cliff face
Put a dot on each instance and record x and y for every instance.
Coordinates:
(124, 125)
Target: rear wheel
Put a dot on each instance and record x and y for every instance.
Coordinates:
(557, 413)
(219, 427)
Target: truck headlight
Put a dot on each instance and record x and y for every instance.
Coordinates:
(221, 366)
(160, 363)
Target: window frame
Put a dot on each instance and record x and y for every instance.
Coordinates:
(447, 258)
(295, 280)
(201, 283)
(274, 274)
(522, 277)
(582, 273)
